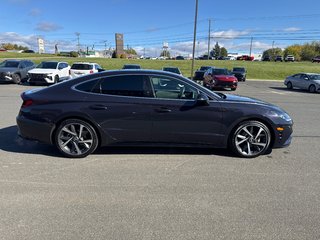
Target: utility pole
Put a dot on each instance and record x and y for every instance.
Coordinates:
(78, 37)
(209, 38)
(273, 49)
(194, 37)
(251, 47)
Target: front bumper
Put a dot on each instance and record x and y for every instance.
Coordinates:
(221, 84)
(5, 78)
(283, 136)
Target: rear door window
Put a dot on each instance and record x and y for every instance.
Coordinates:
(126, 85)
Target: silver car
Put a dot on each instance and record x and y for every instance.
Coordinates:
(306, 81)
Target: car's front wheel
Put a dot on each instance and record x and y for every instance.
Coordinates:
(289, 85)
(312, 88)
(16, 78)
(76, 138)
(250, 139)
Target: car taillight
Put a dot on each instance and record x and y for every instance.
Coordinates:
(91, 71)
(27, 103)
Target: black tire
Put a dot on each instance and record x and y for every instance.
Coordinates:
(289, 85)
(312, 88)
(250, 139)
(56, 79)
(32, 84)
(233, 89)
(16, 78)
(75, 138)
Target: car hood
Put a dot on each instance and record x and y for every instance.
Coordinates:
(42, 70)
(316, 81)
(238, 98)
(8, 69)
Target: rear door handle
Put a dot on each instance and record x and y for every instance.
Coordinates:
(163, 110)
(99, 107)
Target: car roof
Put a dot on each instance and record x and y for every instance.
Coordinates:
(84, 63)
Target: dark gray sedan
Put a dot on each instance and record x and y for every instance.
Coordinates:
(148, 108)
(306, 81)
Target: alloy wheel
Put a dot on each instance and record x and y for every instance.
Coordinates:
(76, 138)
(251, 139)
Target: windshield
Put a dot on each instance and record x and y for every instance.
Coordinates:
(9, 64)
(204, 68)
(48, 65)
(220, 71)
(82, 66)
(131, 67)
(238, 69)
(314, 77)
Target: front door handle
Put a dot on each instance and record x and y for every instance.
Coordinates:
(163, 110)
(99, 107)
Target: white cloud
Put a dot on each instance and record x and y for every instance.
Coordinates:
(230, 34)
(47, 27)
(292, 29)
(30, 41)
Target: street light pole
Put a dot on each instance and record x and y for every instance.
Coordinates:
(194, 37)
(209, 38)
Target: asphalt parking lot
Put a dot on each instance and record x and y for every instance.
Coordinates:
(136, 193)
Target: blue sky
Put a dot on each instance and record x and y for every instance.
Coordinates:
(146, 24)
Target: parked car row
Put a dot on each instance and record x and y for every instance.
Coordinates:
(47, 72)
(279, 58)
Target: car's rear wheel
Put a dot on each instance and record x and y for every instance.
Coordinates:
(233, 89)
(289, 85)
(76, 138)
(312, 88)
(16, 78)
(250, 139)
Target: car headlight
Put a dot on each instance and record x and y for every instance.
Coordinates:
(282, 115)
(285, 117)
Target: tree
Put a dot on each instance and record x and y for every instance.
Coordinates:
(131, 51)
(294, 50)
(10, 46)
(165, 53)
(223, 52)
(272, 53)
(217, 50)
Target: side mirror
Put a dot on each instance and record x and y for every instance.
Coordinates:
(203, 100)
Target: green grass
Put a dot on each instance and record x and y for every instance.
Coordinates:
(256, 70)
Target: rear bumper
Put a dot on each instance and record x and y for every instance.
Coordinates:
(34, 130)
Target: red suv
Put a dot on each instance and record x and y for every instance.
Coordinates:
(220, 78)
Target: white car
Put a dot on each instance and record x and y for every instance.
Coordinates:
(82, 68)
(289, 58)
(49, 72)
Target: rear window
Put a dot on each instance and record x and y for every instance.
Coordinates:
(82, 66)
(217, 71)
